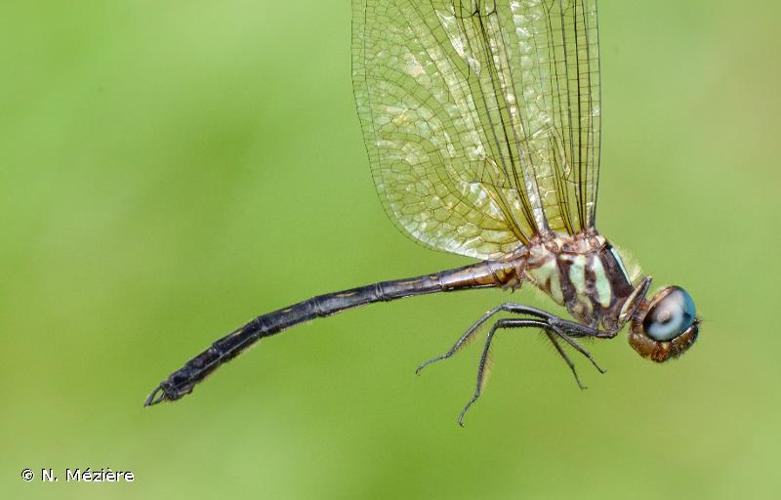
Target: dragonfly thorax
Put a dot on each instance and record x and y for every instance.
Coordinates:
(584, 273)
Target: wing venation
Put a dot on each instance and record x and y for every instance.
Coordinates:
(481, 118)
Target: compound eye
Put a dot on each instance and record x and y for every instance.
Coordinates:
(670, 315)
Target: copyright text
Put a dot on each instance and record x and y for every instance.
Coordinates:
(79, 475)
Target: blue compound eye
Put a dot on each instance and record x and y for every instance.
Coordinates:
(672, 313)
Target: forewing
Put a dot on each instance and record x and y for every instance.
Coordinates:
(480, 118)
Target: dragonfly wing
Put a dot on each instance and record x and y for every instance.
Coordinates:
(481, 118)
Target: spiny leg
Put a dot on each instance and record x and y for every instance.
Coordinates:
(552, 331)
(502, 323)
(582, 350)
(467, 336)
(565, 357)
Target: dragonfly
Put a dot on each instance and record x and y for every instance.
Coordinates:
(482, 123)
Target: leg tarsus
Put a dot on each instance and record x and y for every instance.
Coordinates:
(552, 326)
(582, 350)
(466, 408)
(484, 357)
(470, 332)
(566, 358)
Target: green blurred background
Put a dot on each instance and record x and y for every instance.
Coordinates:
(168, 170)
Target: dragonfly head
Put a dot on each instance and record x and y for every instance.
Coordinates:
(666, 326)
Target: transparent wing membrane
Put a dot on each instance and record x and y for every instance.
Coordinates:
(481, 118)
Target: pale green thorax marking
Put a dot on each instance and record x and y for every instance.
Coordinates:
(601, 283)
(555, 285)
(548, 275)
(577, 273)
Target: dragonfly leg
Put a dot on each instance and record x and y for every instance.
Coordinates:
(469, 334)
(553, 331)
(481, 369)
(565, 357)
(582, 350)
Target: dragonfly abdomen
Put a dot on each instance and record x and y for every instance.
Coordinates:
(481, 275)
